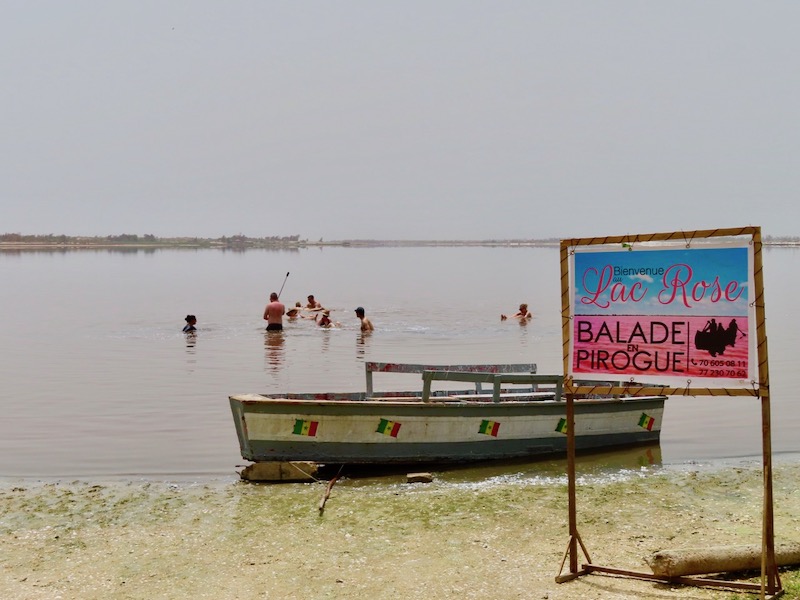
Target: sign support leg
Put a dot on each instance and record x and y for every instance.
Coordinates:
(574, 536)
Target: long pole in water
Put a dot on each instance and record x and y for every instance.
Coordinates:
(284, 283)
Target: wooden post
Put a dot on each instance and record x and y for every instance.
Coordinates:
(769, 571)
(770, 581)
(574, 536)
(566, 322)
(572, 547)
(571, 492)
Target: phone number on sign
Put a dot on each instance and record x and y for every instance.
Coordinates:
(736, 373)
(720, 363)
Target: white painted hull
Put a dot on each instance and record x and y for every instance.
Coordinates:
(341, 431)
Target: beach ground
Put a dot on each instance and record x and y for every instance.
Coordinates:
(375, 539)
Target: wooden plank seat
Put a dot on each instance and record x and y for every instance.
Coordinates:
(371, 367)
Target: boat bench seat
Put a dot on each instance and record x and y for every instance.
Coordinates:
(497, 380)
(371, 367)
(506, 397)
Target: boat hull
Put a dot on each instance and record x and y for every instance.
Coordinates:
(342, 431)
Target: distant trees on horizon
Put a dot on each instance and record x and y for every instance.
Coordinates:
(132, 238)
(240, 240)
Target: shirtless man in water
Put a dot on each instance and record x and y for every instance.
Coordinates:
(273, 313)
(366, 324)
(313, 304)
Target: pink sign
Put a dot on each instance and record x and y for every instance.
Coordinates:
(665, 315)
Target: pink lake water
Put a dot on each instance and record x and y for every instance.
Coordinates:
(98, 380)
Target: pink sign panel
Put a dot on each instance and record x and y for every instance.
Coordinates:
(665, 315)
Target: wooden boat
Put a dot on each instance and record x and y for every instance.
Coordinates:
(520, 414)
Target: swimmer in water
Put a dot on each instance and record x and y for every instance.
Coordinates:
(293, 312)
(324, 319)
(522, 314)
(273, 313)
(191, 321)
(366, 324)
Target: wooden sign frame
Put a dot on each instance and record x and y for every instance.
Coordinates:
(770, 585)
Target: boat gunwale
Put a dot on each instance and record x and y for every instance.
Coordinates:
(264, 400)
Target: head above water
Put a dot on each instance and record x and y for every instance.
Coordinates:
(360, 311)
(191, 319)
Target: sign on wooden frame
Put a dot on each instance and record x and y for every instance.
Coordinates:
(677, 313)
(664, 312)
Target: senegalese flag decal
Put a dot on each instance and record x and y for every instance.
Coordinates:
(646, 421)
(302, 427)
(562, 425)
(489, 428)
(387, 427)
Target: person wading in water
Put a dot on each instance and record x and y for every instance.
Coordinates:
(273, 313)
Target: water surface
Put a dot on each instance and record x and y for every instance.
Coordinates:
(98, 379)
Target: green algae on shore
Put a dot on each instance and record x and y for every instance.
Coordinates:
(379, 539)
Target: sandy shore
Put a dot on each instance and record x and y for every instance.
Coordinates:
(501, 539)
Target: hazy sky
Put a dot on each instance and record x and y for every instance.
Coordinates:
(427, 119)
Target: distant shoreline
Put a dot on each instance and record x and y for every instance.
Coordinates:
(239, 243)
(260, 244)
